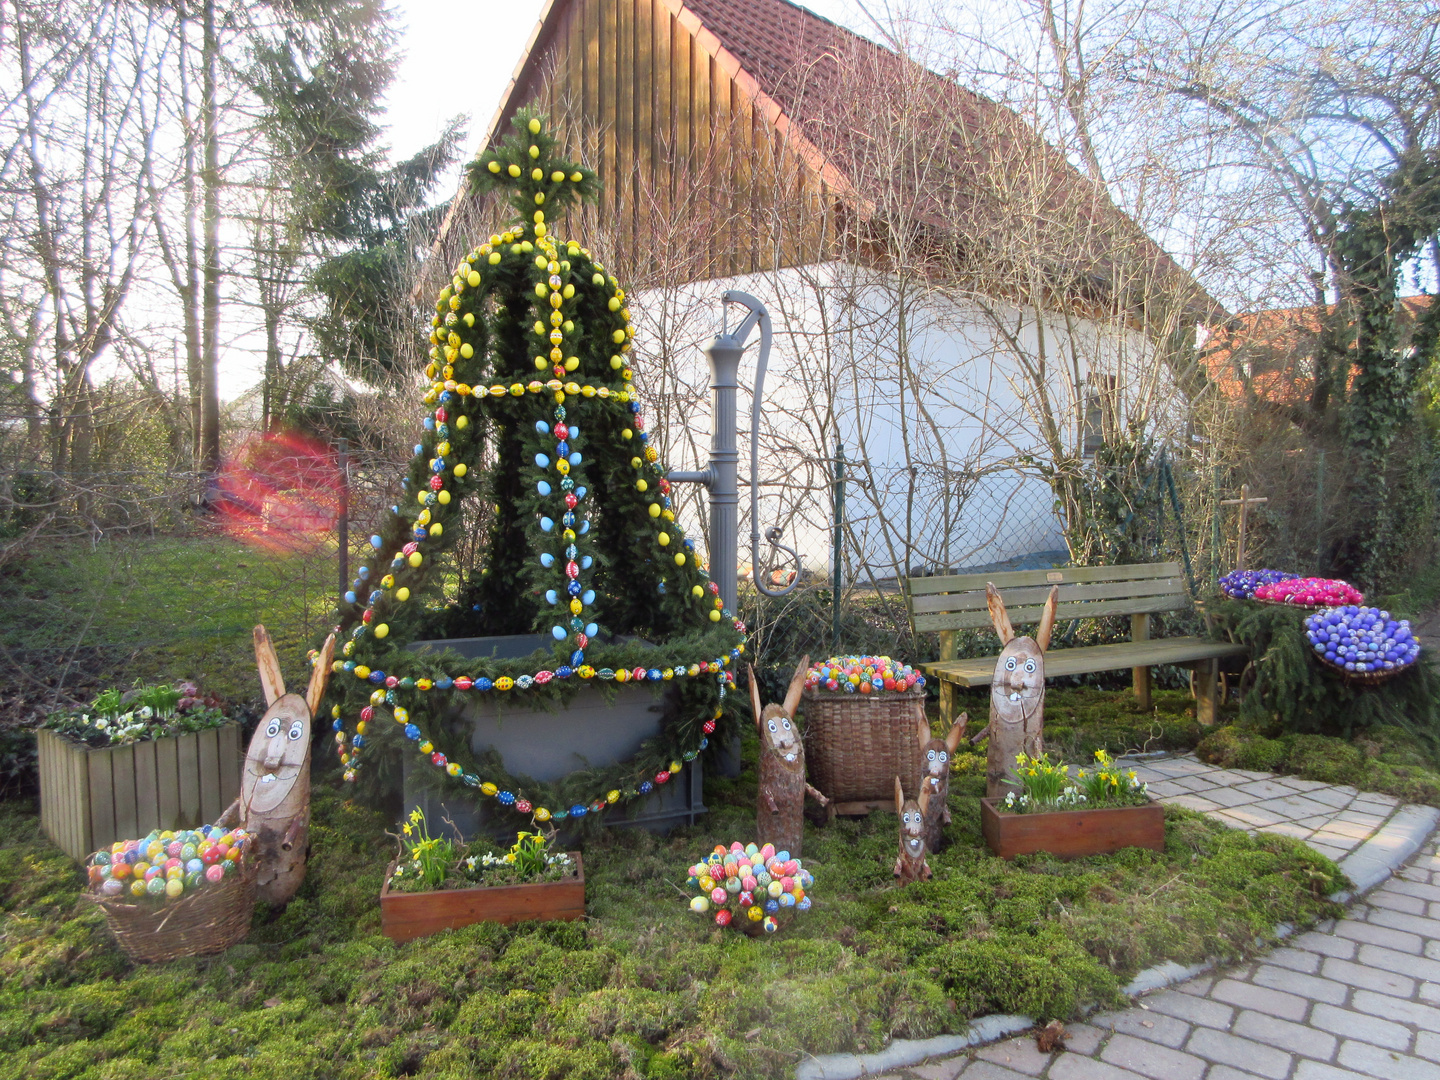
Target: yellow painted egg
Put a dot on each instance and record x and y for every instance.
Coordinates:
(402, 594)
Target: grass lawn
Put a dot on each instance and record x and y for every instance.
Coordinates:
(641, 988)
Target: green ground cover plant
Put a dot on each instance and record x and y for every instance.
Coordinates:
(642, 987)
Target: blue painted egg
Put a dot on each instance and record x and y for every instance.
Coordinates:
(558, 632)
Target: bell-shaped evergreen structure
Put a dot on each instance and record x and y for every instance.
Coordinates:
(530, 413)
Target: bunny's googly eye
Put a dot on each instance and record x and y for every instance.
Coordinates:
(274, 728)
(297, 729)
(1030, 666)
(1010, 664)
(785, 723)
(930, 754)
(773, 728)
(944, 757)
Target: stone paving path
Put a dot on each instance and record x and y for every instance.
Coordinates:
(1358, 997)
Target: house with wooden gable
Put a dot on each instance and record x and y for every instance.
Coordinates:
(955, 305)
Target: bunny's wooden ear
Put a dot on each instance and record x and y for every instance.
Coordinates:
(923, 727)
(754, 695)
(899, 797)
(924, 799)
(956, 733)
(320, 676)
(1047, 619)
(271, 681)
(797, 686)
(998, 618)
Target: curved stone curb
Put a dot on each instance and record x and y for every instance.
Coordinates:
(1400, 837)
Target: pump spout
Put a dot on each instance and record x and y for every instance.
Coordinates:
(759, 315)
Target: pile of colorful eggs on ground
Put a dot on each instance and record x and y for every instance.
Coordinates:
(1241, 584)
(1311, 592)
(746, 884)
(862, 675)
(168, 865)
(1362, 639)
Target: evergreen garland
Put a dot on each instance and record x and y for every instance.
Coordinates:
(1296, 691)
(531, 409)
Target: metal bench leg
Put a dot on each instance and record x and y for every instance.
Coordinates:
(1207, 699)
(1140, 631)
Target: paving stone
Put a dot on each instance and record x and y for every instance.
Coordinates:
(1411, 888)
(1315, 1070)
(940, 1070)
(1075, 1067)
(1404, 1012)
(1265, 789)
(1290, 829)
(1330, 851)
(1429, 992)
(1415, 924)
(1228, 796)
(1255, 815)
(1417, 875)
(1374, 934)
(1432, 950)
(1166, 1030)
(1385, 1064)
(1229, 776)
(1410, 905)
(1020, 1054)
(1198, 784)
(1083, 1038)
(1197, 987)
(1427, 1045)
(1283, 1035)
(1365, 978)
(1294, 959)
(1164, 789)
(1225, 1049)
(1197, 1010)
(1225, 1072)
(1399, 962)
(1301, 785)
(1355, 1025)
(1275, 1002)
(1359, 819)
(1180, 766)
(1334, 797)
(1193, 802)
(1328, 944)
(1151, 1059)
(1298, 808)
(1295, 982)
(1348, 830)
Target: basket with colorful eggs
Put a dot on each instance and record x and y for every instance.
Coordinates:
(749, 887)
(1311, 592)
(863, 675)
(1364, 643)
(176, 893)
(1241, 584)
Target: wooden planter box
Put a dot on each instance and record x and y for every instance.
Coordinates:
(404, 916)
(90, 797)
(1069, 834)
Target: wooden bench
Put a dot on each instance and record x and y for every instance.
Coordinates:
(957, 602)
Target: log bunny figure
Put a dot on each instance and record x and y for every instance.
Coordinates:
(910, 864)
(1017, 693)
(274, 802)
(779, 813)
(935, 755)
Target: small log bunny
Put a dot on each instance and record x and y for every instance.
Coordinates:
(1017, 693)
(274, 802)
(910, 864)
(779, 813)
(935, 755)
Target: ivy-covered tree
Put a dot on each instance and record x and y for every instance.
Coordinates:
(530, 409)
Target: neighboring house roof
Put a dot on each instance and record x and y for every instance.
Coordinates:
(1270, 353)
(789, 66)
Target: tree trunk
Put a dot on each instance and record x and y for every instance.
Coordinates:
(210, 360)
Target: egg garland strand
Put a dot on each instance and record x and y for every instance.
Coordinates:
(580, 320)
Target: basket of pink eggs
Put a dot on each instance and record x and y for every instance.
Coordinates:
(1311, 592)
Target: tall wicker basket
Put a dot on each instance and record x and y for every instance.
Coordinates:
(857, 744)
(209, 920)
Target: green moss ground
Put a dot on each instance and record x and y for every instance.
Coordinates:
(641, 988)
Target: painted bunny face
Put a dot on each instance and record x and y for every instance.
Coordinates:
(279, 751)
(779, 732)
(1018, 688)
(912, 828)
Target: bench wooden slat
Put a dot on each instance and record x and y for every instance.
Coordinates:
(1021, 616)
(1024, 597)
(980, 671)
(1011, 579)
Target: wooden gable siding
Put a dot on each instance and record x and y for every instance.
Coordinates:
(641, 92)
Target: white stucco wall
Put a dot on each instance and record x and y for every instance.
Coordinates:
(938, 457)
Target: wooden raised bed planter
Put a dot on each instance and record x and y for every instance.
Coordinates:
(92, 796)
(404, 916)
(1069, 834)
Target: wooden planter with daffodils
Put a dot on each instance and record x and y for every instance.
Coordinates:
(436, 884)
(1097, 812)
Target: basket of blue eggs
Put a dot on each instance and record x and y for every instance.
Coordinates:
(1362, 643)
(1241, 584)
(176, 893)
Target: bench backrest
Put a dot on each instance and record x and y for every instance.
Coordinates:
(957, 602)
